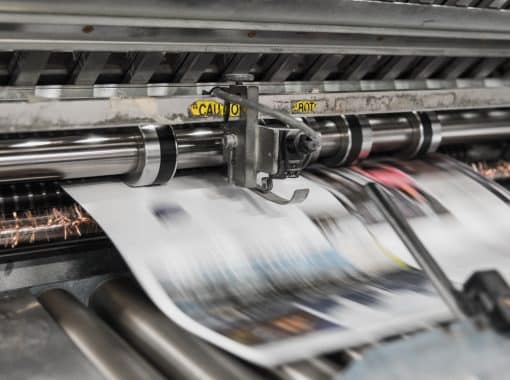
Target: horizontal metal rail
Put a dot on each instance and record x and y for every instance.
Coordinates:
(121, 108)
(320, 27)
(301, 15)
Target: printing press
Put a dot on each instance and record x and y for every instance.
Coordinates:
(258, 91)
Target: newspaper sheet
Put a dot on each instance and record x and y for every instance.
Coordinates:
(274, 283)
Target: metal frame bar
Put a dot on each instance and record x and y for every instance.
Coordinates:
(118, 110)
(145, 39)
(344, 16)
(88, 68)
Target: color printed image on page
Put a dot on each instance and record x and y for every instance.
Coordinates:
(461, 221)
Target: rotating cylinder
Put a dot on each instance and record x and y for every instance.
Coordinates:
(157, 160)
(175, 352)
(151, 153)
(145, 155)
(409, 135)
(111, 355)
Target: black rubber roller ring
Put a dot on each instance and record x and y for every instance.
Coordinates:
(356, 138)
(168, 146)
(428, 133)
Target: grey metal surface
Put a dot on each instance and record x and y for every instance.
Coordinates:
(199, 146)
(390, 133)
(44, 114)
(107, 91)
(88, 67)
(172, 350)
(149, 39)
(313, 369)
(143, 67)
(263, 109)
(469, 127)
(458, 67)
(112, 356)
(32, 345)
(485, 67)
(488, 4)
(99, 153)
(27, 66)
(139, 67)
(35, 268)
(94, 153)
(326, 15)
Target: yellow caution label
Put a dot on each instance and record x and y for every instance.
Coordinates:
(303, 106)
(206, 108)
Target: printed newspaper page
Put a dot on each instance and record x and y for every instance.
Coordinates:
(273, 283)
(461, 220)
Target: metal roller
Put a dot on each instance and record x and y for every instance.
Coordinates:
(412, 134)
(469, 127)
(151, 153)
(314, 369)
(146, 154)
(113, 357)
(69, 155)
(172, 350)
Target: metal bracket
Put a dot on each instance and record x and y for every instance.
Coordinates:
(256, 153)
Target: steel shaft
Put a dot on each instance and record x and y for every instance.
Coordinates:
(118, 151)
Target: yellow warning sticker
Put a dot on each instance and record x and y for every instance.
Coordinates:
(206, 108)
(303, 106)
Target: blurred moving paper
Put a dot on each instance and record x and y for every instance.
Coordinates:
(273, 283)
(463, 220)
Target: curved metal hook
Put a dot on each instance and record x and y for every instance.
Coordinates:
(298, 196)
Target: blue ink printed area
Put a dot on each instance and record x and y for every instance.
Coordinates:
(170, 213)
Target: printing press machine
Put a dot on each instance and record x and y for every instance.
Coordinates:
(258, 90)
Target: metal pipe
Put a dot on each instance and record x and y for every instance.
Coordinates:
(331, 136)
(477, 126)
(86, 153)
(95, 153)
(391, 133)
(113, 357)
(175, 352)
(118, 151)
(199, 146)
